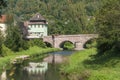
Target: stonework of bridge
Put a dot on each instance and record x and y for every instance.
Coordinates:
(77, 40)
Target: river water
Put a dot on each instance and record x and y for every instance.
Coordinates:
(52, 73)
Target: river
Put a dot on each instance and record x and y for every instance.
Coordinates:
(54, 61)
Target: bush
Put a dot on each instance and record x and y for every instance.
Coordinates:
(108, 27)
(6, 51)
(90, 44)
(37, 42)
(68, 46)
(14, 39)
(110, 41)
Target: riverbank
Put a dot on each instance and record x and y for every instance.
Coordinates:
(5, 62)
(84, 65)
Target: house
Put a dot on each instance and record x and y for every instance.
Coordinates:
(2, 23)
(36, 26)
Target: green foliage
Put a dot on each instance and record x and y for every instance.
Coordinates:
(75, 67)
(109, 27)
(14, 39)
(5, 62)
(37, 42)
(48, 45)
(68, 46)
(64, 17)
(6, 51)
(3, 4)
(87, 66)
(90, 44)
(1, 42)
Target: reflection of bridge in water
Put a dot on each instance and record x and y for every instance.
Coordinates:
(77, 40)
(36, 71)
(36, 68)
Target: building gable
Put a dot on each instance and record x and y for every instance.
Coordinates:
(37, 18)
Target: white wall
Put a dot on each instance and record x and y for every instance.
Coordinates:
(3, 27)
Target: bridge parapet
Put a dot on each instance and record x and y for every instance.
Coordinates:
(79, 35)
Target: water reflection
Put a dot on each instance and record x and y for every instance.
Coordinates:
(52, 73)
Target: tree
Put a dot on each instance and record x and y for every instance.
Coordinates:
(1, 42)
(108, 22)
(14, 39)
(3, 3)
(64, 17)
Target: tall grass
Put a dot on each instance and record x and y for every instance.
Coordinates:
(85, 65)
(5, 62)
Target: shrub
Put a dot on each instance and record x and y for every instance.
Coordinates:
(68, 46)
(108, 23)
(90, 44)
(37, 42)
(6, 51)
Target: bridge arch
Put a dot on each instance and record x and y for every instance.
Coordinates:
(48, 44)
(69, 43)
(90, 43)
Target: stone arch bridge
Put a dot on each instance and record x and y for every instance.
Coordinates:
(77, 40)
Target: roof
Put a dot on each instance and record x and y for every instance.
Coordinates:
(2, 18)
(36, 23)
(37, 17)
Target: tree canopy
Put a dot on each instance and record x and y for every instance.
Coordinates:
(63, 16)
(3, 4)
(108, 22)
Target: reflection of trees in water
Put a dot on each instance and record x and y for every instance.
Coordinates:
(21, 74)
(28, 76)
(53, 72)
(36, 77)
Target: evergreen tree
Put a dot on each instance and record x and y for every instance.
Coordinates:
(14, 39)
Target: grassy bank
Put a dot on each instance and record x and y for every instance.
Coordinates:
(5, 62)
(85, 65)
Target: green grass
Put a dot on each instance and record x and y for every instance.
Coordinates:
(85, 65)
(5, 62)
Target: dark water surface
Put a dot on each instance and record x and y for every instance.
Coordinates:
(18, 72)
